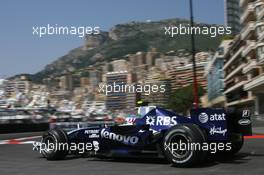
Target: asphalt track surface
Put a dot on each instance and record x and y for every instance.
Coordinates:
(20, 159)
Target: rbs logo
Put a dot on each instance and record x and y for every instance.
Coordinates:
(161, 120)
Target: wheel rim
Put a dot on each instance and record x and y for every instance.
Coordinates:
(179, 139)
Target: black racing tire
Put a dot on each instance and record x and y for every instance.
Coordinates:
(184, 133)
(55, 137)
(237, 142)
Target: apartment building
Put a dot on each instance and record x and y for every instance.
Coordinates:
(120, 65)
(232, 15)
(244, 75)
(2, 88)
(17, 86)
(66, 82)
(215, 76)
(119, 98)
(156, 77)
(253, 32)
(181, 75)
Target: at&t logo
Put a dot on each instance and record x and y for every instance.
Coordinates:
(203, 117)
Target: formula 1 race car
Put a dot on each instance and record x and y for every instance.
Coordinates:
(159, 133)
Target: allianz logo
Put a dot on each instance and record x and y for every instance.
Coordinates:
(204, 117)
(120, 138)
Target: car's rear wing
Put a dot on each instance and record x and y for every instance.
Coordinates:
(239, 121)
(219, 123)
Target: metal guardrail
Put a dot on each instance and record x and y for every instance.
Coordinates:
(74, 125)
(34, 127)
(22, 127)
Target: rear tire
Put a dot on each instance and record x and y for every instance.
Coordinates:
(186, 133)
(55, 137)
(237, 142)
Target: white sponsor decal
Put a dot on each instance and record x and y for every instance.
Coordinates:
(203, 117)
(161, 120)
(93, 136)
(217, 130)
(92, 131)
(217, 117)
(118, 137)
(150, 120)
(246, 113)
(130, 120)
(244, 122)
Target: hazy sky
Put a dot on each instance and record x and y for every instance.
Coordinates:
(21, 52)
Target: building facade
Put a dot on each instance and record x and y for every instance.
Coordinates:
(120, 98)
(232, 15)
(156, 77)
(215, 76)
(181, 75)
(252, 21)
(244, 68)
(17, 86)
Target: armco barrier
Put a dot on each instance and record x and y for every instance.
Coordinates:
(15, 128)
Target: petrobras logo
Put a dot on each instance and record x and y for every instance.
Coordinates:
(92, 131)
(161, 120)
(203, 117)
(120, 138)
(92, 134)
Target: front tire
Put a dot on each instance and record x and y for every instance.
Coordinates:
(187, 134)
(52, 142)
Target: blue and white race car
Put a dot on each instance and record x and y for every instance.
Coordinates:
(182, 140)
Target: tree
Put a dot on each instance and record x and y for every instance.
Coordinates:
(182, 99)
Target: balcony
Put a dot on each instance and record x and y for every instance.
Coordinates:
(251, 46)
(256, 84)
(228, 63)
(260, 15)
(260, 30)
(235, 71)
(249, 14)
(259, 9)
(243, 3)
(261, 36)
(251, 65)
(248, 30)
(260, 52)
(235, 87)
(242, 101)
